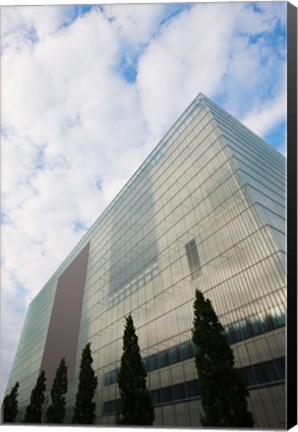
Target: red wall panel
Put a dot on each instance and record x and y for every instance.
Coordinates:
(65, 320)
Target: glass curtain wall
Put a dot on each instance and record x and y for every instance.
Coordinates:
(205, 210)
(204, 229)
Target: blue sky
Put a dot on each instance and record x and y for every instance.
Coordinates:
(88, 92)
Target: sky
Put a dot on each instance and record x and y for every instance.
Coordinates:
(88, 92)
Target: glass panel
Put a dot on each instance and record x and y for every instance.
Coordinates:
(163, 360)
(238, 328)
(280, 364)
(179, 392)
(110, 407)
(256, 324)
(174, 356)
(271, 372)
(192, 255)
(107, 379)
(260, 372)
(106, 407)
(268, 322)
(192, 388)
(145, 362)
(247, 329)
(193, 349)
(151, 363)
(249, 376)
(166, 394)
(155, 396)
(114, 376)
(228, 334)
(184, 351)
(114, 405)
(278, 317)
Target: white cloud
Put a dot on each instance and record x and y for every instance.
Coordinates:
(72, 121)
(136, 23)
(40, 20)
(193, 55)
(262, 118)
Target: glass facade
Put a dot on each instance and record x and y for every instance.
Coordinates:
(206, 210)
(26, 365)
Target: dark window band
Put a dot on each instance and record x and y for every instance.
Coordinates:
(235, 332)
(259, 374)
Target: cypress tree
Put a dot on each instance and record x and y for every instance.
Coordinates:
(34, 409)
(56, 411)
(10, 405)
(135, 404)
(224, 394)
(84, 410)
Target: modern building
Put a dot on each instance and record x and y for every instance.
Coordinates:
(206, 209)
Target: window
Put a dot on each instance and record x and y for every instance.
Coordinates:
(184, 351)
(111, 377)
(193, 348)
(151, 363)
(192, 388)
(255, 375)
(110, 407)
(107, 379)
(174, 355)
(155, 397)
(228, 333)
(106, 407)
(280, 364)
(278, 316)
(179, 391)
(192, 257)
(239, 331)
(256, 324)
(166, 394)
(114, 376)
(163, 359)
(266, 372)
(249, 376)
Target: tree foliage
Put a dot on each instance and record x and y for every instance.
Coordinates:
(34, 409)
(10, 405)
(135, 404)
(224, 394)
(56, 411)
(84, 410)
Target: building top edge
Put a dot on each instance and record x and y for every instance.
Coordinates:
(199, 102)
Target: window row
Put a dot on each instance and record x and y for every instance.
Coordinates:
(235, 332)
(132, 287)
(160, 360)
(255, 375)
(255, 325)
